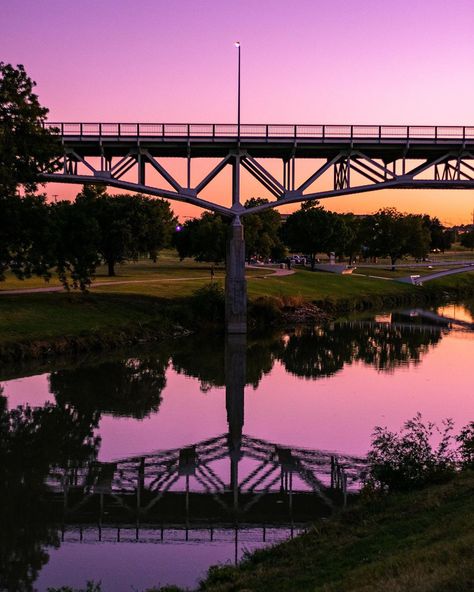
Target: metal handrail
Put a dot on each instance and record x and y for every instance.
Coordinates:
(325, 133)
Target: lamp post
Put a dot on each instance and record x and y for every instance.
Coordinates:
(237, 45)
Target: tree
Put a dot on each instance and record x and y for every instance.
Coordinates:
(262, 232)
(26, 147)
(354, 238)
(203, 238)
(441, 238)
(395, 235)
(129, 225)
(27, 237)
(309, 230)
(467, 239)
(76, 240)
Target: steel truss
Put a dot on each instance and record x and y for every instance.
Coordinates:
(418, 158)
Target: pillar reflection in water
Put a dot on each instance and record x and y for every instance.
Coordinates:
(235, 375)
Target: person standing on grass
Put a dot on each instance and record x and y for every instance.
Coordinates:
(212, 273)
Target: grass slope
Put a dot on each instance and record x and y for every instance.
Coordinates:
(421, 542)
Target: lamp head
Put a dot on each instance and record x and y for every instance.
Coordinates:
(237, 44)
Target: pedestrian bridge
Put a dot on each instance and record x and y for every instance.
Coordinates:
(339, 160)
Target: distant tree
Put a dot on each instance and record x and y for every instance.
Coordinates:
(203, 239)
(129, 225)
(26, 147)
(343, 235)
(467, 239)
(441, 238)
(395, 235)
(262, 232)
(354, 240)
(309, 230)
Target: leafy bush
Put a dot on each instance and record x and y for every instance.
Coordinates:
(466, 445)
(208, 304)
(407, 460)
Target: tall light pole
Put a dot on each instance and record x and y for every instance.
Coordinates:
(237, 45)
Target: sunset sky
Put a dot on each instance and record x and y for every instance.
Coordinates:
(307, 61)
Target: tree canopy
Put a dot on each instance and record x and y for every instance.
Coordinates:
(26, 147)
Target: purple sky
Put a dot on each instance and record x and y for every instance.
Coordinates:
(406, 62)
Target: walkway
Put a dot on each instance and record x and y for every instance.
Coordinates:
(421, 279)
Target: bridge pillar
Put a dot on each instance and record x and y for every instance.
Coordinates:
(235, 283)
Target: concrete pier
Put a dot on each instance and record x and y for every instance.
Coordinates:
(235, 282)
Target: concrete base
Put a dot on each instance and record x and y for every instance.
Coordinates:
(235, 282)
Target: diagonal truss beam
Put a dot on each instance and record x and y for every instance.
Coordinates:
(448, 169)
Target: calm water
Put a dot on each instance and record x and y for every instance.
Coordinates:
(146, 467)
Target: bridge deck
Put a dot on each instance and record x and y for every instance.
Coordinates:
(271, 141)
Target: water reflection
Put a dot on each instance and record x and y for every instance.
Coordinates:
(127, 388)
(32, 443)
(314, 352)
(51, 480)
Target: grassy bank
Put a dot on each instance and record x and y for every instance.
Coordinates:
(422, 542)
(34, 325)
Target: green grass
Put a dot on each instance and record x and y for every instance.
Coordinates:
(324, 286)
(421, 542)
(399, 271)
(48, 316)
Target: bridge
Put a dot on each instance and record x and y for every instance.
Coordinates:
(358, 158)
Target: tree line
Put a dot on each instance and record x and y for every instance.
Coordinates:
(313, 230)
(71, 239)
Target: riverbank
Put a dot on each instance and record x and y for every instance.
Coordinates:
(420, 541)
(42, 325)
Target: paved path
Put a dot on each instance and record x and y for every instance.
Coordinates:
(419, 281)
(275, 271)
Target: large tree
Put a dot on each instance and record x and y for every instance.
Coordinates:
(26, 147)
(202, 238)
(129, 225)
(396, 235)
(76, 241)
(309, 230)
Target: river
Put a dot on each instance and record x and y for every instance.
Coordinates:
(145, 467)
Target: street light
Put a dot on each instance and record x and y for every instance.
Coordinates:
(237, 45)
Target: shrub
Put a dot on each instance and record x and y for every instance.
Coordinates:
(208, 304)
(407, 460)
(466, 445)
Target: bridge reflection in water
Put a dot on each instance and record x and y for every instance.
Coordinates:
(232, 481)
(231, 487)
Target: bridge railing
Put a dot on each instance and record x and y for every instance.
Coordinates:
(375, 133)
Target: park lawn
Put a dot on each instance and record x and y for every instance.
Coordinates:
(399, 272)
(421, 541)
(318, 286)
(304, 284)
(168, 265)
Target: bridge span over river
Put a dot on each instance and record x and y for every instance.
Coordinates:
(358, 158)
